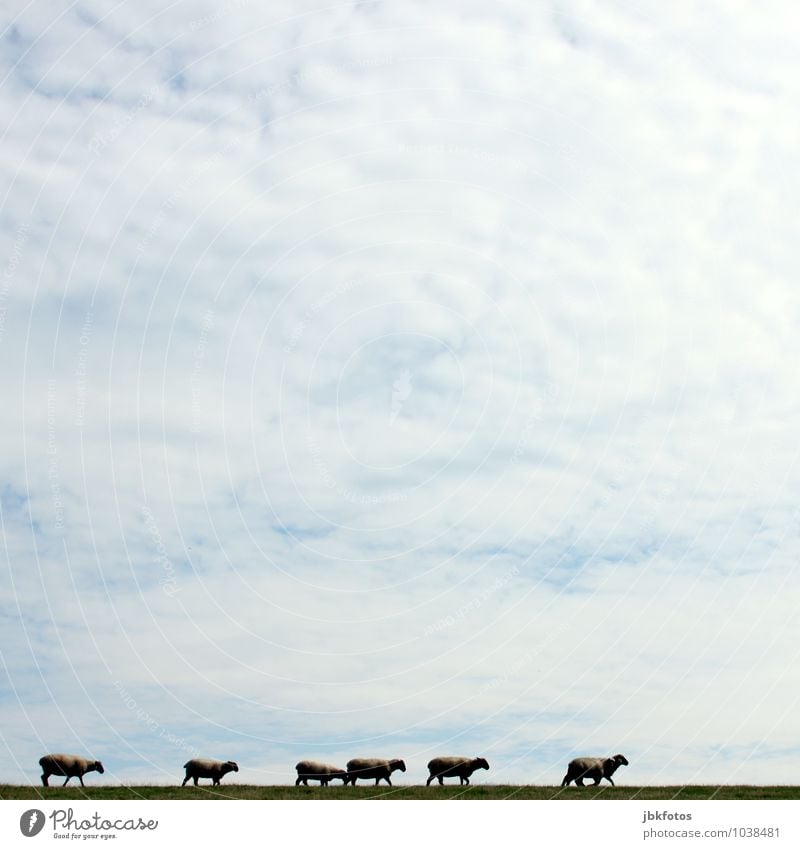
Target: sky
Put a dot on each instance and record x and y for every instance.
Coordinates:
(400, 379)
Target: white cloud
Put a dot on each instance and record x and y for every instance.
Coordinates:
(395, 379)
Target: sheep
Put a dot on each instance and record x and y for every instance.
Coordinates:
(596, 768)
(376, 768)
(68, 765)
(318, 772)
(454, 767)
(205, 768)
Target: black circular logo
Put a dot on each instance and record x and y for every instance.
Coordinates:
(31, 822)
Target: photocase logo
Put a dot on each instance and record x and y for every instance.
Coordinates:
(401, 391)
(31, 822)
(65, 824)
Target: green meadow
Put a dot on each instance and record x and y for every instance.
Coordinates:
(509, 792)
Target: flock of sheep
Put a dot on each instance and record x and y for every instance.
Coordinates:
(73, 766)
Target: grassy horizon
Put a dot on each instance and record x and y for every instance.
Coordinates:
(206, 792)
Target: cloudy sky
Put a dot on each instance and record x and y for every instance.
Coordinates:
(400, 379)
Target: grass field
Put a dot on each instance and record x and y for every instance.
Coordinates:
(477, 791)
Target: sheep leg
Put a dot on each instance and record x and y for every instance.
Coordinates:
(428, 782)
(579, 781)
(195, 781)
(45, 776)
(80, 778)
(566, 781)
(608, 778)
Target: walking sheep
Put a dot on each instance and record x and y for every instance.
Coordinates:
(595, 768)
(454, 767)
(205, 768)
(68, 765)
(376, 768)
(318, 772)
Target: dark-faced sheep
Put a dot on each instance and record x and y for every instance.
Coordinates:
(454, 767)
(594, 768)
(69, 765)
(205, 768)
(376, 768)
(314, 771)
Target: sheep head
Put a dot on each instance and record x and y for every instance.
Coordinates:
(610, 765)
